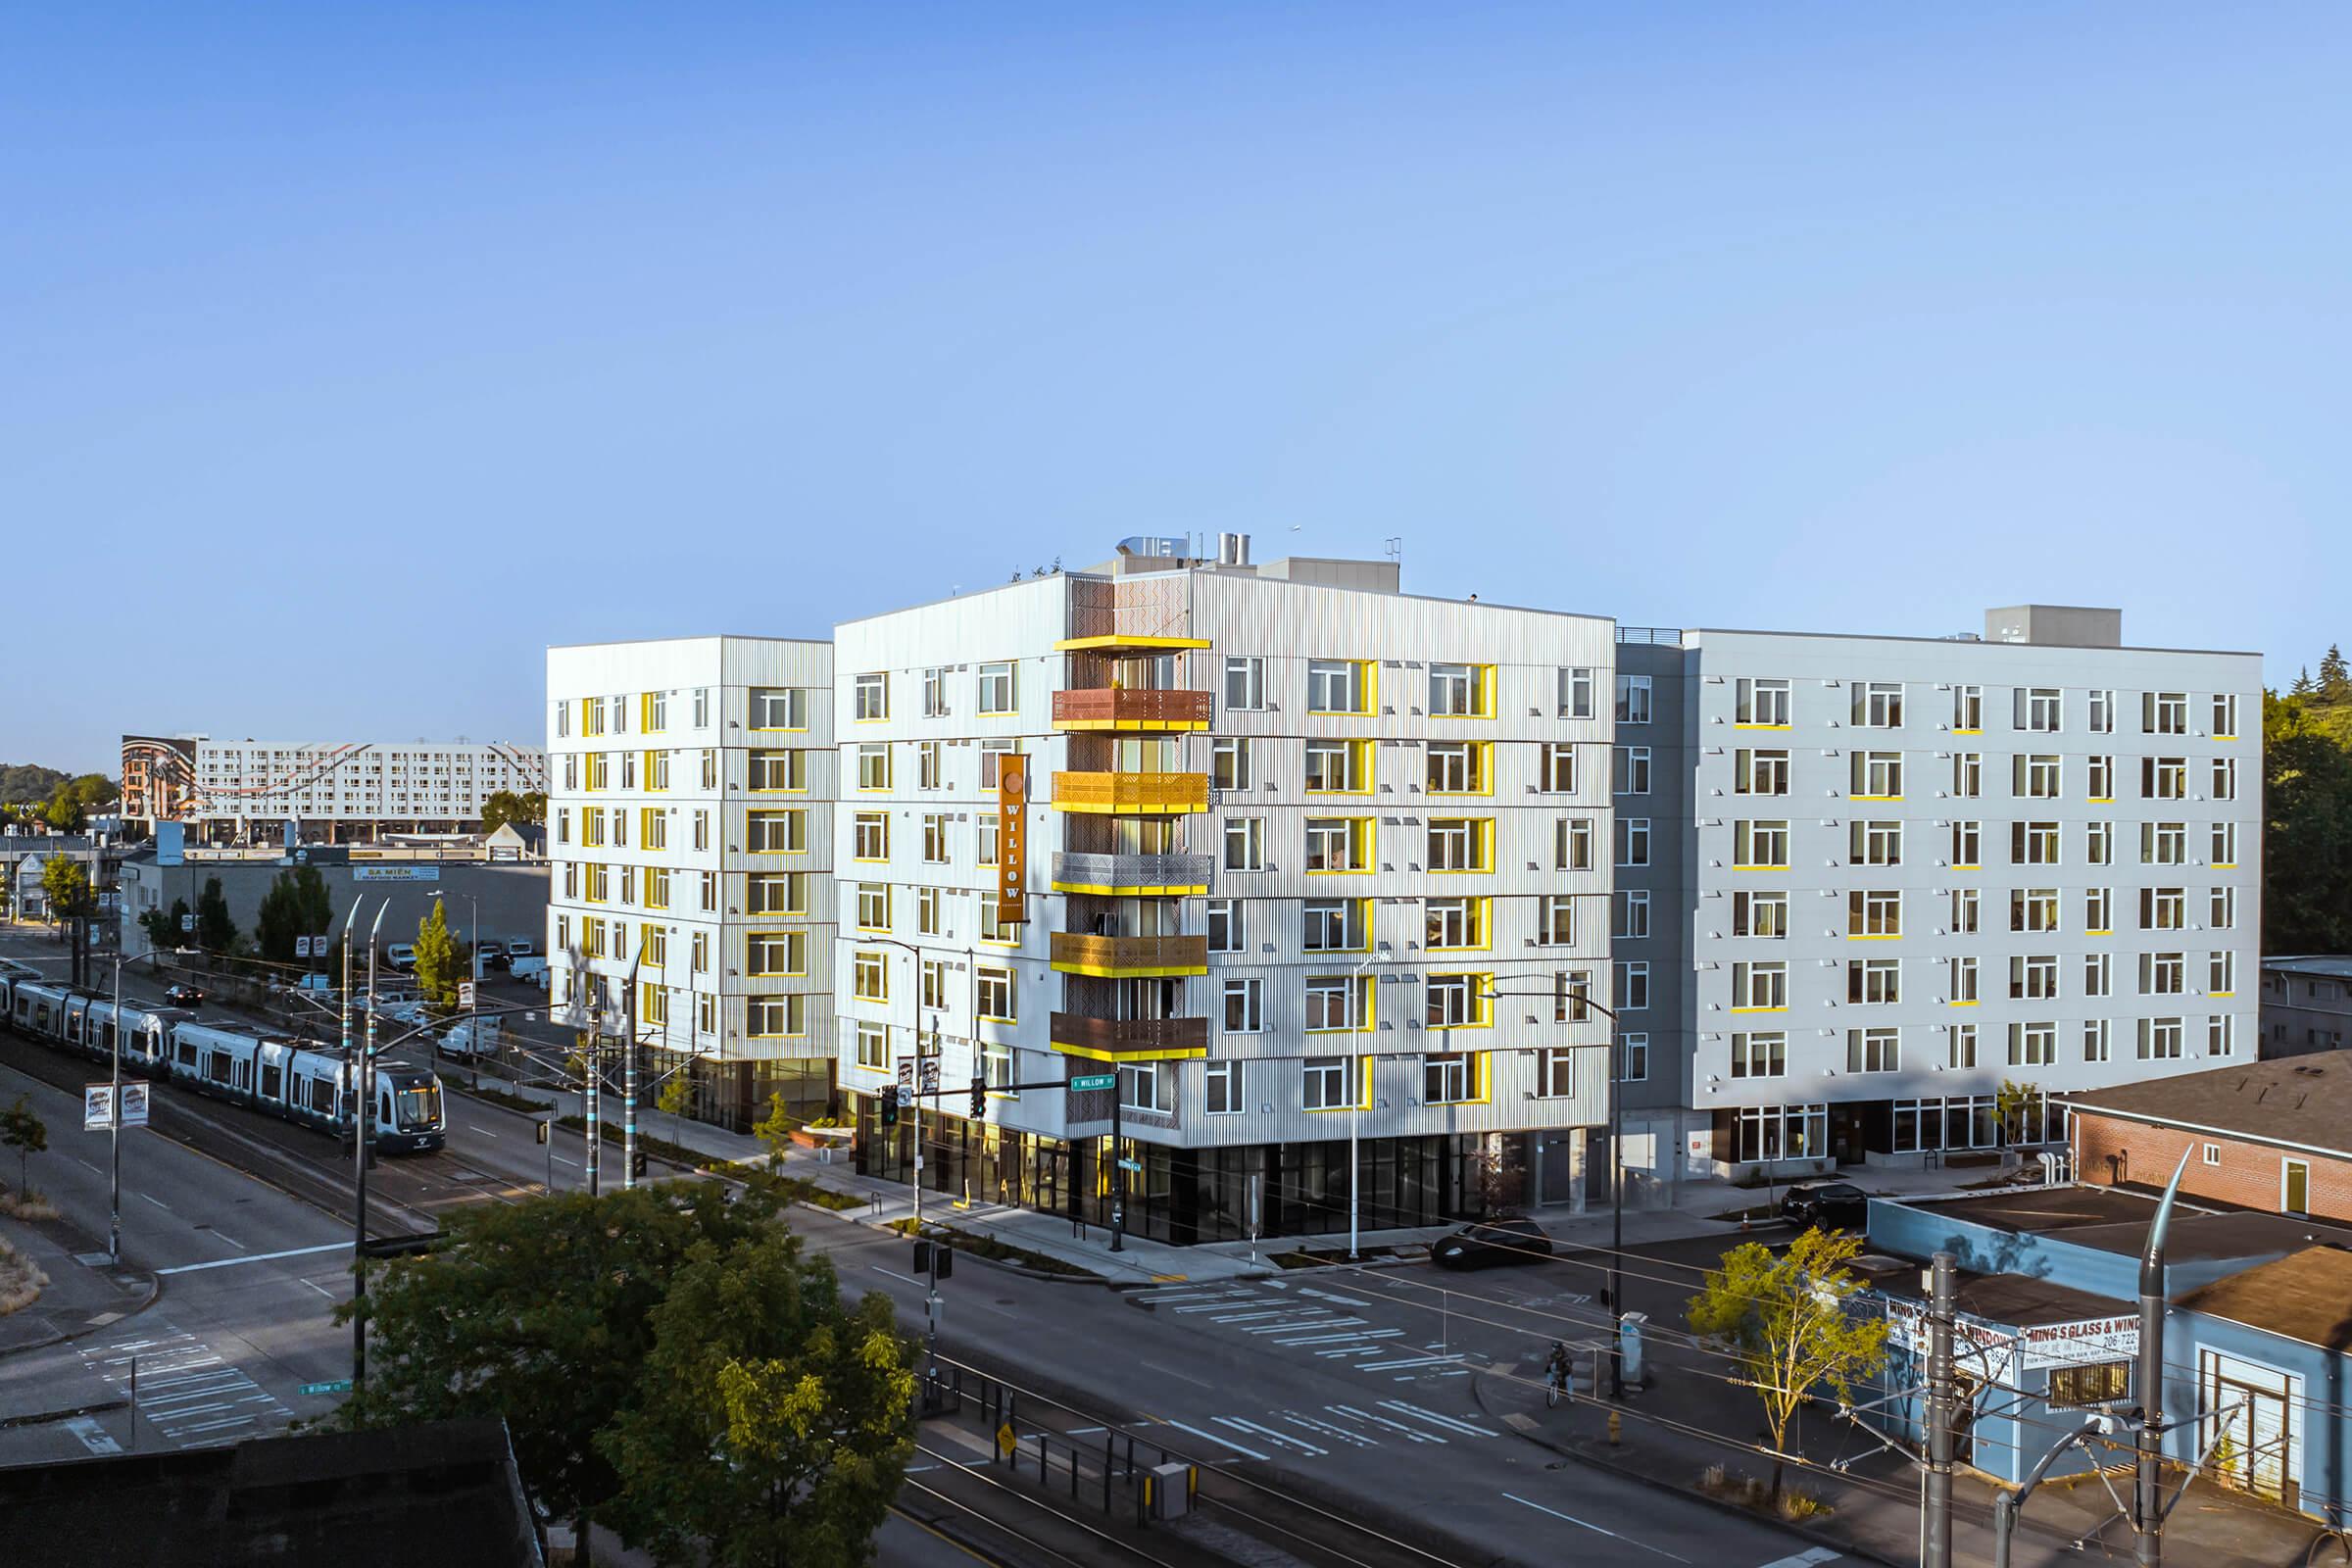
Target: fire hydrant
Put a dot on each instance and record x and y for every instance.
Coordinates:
(1616, 1428)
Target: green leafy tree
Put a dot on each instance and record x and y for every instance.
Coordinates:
(64, 812)
(775, 1130)
(2336, 678)
(215, 932)
(441, 960)
(540, 1312)
(677, 1097)
(163, 926)
(29, 783)
(26, 1134)
(297, 905)
(1791, 1323)
(2016, 1104)
(773, 1424)
(66, 886)
(2307, 833)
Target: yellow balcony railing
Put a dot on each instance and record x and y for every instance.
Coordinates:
(1132, 794)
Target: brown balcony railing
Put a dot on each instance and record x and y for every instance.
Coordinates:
(1075, 953)
(1136, 793)
(1078, 871)
(1110, 708)
(1139, 1036)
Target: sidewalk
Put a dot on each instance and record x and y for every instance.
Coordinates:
(82, 1296)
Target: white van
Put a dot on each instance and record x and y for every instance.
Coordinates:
(401, 955)
(472, 1037)
(530, 970)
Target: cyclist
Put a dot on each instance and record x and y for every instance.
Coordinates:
(1556, 1375)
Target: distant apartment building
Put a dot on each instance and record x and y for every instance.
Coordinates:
(336, 791)
(2306, 1003)
(1863, 880)
(690, 841)
(1307, 856)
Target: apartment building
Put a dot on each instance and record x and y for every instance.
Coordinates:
(690, 838)
(1862, 881)
(2306, 1003)
(1307, 857)
(335, 791)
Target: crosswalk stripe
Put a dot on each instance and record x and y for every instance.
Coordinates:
(1804, 1559)
(1250, 1454)
(1454, 1423)
(1269, 1434)
(1382, 1420)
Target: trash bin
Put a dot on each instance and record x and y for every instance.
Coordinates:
(1629, 1346)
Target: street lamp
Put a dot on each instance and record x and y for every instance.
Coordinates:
(362, 1109)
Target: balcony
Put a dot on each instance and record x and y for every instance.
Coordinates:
(1131, 875)
(1130, 1039)
(1129, 958)
(1131, 794)
(1113, 708)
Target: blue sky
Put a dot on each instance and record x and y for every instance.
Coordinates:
(354, 356)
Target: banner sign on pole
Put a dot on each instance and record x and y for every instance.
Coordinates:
(134, 1105)
(97, 1107)
(1013, 839)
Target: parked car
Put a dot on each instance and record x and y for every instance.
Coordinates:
(521, 949)
(491, 953)
(1836, 1205)
(529, 970)
(184, 996)
(1490, 1243)
(401, 955)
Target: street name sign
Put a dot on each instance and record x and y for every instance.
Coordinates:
(1108, 1080)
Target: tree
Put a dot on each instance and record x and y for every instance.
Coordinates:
(297, 905)
(540, 1312)
(163, 926)
(66, 887)
(775, 1130)
(678, 1097)
(64, 812)
(2307, 833)
(2015, 1104)
(215, 932)
(441, 963)
(2336, 678)
(26, 1134)
(505, 806)
(2302, 686)
(773, 1424)
(1789, 1322)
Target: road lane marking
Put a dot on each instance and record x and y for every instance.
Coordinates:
(320, 1288)
(1311, 1450)
(1328, 1429)
(255, 1257)
(158, 1202)
(1595, 1529)
(1804, 1559)
(1454, 1423)
(1247, 1454)
(1179, 1376)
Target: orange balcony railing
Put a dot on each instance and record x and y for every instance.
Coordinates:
(1133, 794)
(1111, 708)
(1129, 958)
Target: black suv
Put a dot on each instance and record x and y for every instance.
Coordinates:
(1491, 1242)
(1836, 1205)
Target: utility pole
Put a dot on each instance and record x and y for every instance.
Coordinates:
(592, 1082)
(114, 1132)
(362, 1116)
(1119, 1172)
(1943, 1293)
(628, 1072)
(2147, 1482)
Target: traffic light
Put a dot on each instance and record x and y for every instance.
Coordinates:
(637, 1166)
(890, 1108)
(943, 1260)
(979, 1098)
(541, 1135)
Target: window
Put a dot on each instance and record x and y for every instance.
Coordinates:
(2222, 914)
(657, 886)
(2098, 844)
(710, 769)
(2163, 909)
(2040, 708)
(2032, 1044)
(1245, 1007)
(563, 719)
(1340, 843)
(1633, 841)
(777, 952)
(1446, 1079)
(778, 771)
(2224, 778)
(779, 707)
(2102, 712)
(1874, 1051)
(994, 994)
(1874, 981)
(2164, 712)
(1968, 774)
(657, 770)
(995, 929)
(1338, 1001)
(1760, 846)
(702, 708)
(653, 712)
(1965, 905)
(1879, 705)
(1878, 775)
(2032, 977)
(1343, 767)
(1455, 1001)
(991, 755)
(1760, 914)
(2159, 1039)
(935, 838)
(869, 836)
(1221, 1088)
(1338, 686)
(2035, 777)
(1457, 767)
(768, 1017)
(873, 1046)
(1632, 698)
(2224, 715)
(2219, 1041)
(1336, 925)
(2106, 1383)
(2163, 844)
(927, 911)
(1763, 704)
(873, 905)
(1575, 692)
(2163, 974)
(1632, 985)
(932, 983)
(1968, 847)
(1760, 773)
(1245, 683)
(985, 826)
(2033, 844)
(1631, 922)
(2099, 975)
(873, 767)
(1327, 1083)
(1225, 933)
(1555, 769)
(1633, 1066)
(1968, 709)
(869, 977)
(1960, 977)
(927, 772)
(2221, 974)
(1572, 844)
(870, 697)
(1780, 1132)
(1760, 987)
(1229, 762)
(1874, 914)
(699, 950)
(2097, 1040)
(2032, 909)
(1245, 844)
(709, 889)
(1571, 990)
(2225, 844)
(1555, 1073)
(1760, 1055)
(1459, 844)
(1452, 923)
(2098, 912)
(995, 687)
(1962, 1052)
(1875, 843)
(1460, 691)
(2164, 778)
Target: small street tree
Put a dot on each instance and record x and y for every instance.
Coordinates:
(2017, 1107)
(215, 932)
(163, 926)
(677, 1097)
(26, 1134)
(440, 962)
(1789, 1322)
(66, 886)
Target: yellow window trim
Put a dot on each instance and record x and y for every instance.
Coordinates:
(1968, 732)
(1874, 936)
(1737, 725)
(1968, 1003)
(1957, 865)
(1764, 869)
(2222, 866)
(1874, 797)
(1759, 1009)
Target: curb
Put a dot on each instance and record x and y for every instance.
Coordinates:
(155, 1290)
(1566, 1450)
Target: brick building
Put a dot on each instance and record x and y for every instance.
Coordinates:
(2270, 1135)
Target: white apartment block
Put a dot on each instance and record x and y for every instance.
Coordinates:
(690, 831)
(1308, 854)
(339, 791)
(1862, 881)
